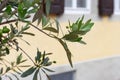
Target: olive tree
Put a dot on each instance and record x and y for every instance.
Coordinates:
(15, 12)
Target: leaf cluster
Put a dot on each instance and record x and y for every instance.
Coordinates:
(41, 64)
(77, 30)
(12, 67)
(15, 12)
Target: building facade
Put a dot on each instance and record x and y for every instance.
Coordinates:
(94, 9)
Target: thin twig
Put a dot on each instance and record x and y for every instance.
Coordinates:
(10, 21)
(7, 22)
(27, 55)
(41, 30)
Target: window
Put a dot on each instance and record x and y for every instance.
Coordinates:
(117, 6)
(77, 6)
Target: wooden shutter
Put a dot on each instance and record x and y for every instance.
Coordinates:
(106, 7)
(57, 7)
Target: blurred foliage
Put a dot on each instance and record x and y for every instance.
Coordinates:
(15, 12)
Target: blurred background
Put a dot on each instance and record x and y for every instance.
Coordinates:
(99, 59)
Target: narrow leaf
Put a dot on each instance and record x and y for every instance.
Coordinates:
(45, 20)
(28, 72)
(87, 27)
(35, 75)
(57, 25)
(80, 23)
(0, 78)
(70, 37)
(28, 33)
(7, 50)
(24, 66)
(46, 74)
(26, 27)
(8, 68)
(48, 70)
(9, 77)
(48, 4)
(1, 18)
(45, 60)
(38, 56)
(74, 27)
(19, 58)
(48, 64)
(8, 9)
(82, 42)
(23, 60)
(51, 29)
(69, 54)
(25, 41)
(38, 15)
(1, 70)
(15, 76)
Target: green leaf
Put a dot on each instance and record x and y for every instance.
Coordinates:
(43, 57)
(9, 77)
(7, 50)
(1, 70)
(77, 21)
(28, 33)
(28, 72)
(8, 69)
(79, 32)
(35, 75)
(1, 19)
(51, 29)
(0, 78)
(13, 30)
(73, 37)
(19, 58)
(57, 25)
(32, 11)
(24, 65)
(8, 9)
(38, 15)
(23, 60)
(48, 64)
(21, 11)
(5, 29)
(37, 58)
(1, 32)
(70, 36)
(69, 54)
(25, 41)
(87, 26)
(46, 74)
(45, 21)
(5, 40)
(26, 27)
(15, 76)
(82, 42)
(48, 69)
(74, 27)
(80, 23)
(45, 61)
(48, 4)
(28, 3)
(19, 69)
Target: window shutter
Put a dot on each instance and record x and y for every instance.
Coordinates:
(57, 7)
(106, 7)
